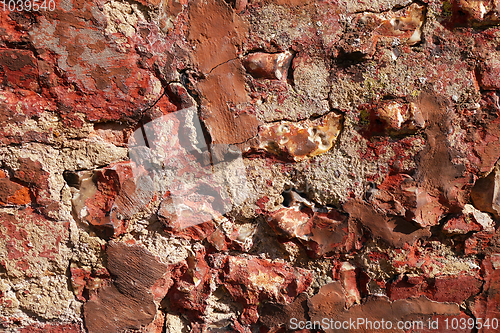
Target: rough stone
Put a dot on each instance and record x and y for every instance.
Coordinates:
(12, 193)
(19, 69)
(50, 328)
(485, 193)
(275, 314)
(485, 12)
(303, 139)
(31, 244)
(320, 232)
(268, 65)
(486, 305)
(471, 220)
(330, 302)
(130, 302)
(443, 289)
(367, 28)
(481, 141)
(252, 281)
(191, 291)
(230, 165)
(396, 231)
(226, 30)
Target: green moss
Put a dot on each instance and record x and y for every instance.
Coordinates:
(447, 9)
(374, 87)
(364, 117)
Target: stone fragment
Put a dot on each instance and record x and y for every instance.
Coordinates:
(79, 277)
(181, 96)
(274, 315)
(193, 286)
(395, 118)
(406, 24)
(131, 301)
(349, 283)
(103, 78)
(157, 325)
(134, 196)
(113, 311)
(268, 65)
(461, 225)
(367, 28)
(290, 222)
(113, 132)
(400, 116)
(471, 220)
(489, 72)
(220, 96)
(486, 193)
(397, 195)
(137, 271)
(197, 229)
(240, 126)
(487, 304)
(218, 240)
(442, 289)
(483, 242)
(12, 193)
(15, 26)
(220, 22)
(482, 12)
(31, 172)
(200, 181)
(302, 139)
(394, 230)
(241, 235)
(86, 282)
(193, 212)
(84, 182)
(330, 303)
(329, 299)
(444, 182)
(394, 114)
(320, 232)
(483, 139)
(107, 198)
(94, 202)
(238, 5)
(250, 281)
(18, 69)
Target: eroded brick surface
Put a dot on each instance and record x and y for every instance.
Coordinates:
(219, 166)
(140, 280)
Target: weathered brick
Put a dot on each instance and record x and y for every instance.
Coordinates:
(131, 301)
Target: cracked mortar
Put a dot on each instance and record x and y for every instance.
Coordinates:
(206, 161)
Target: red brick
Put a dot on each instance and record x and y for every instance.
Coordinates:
(12, 193)
(131, 301)
(442, 289)
(20, 69)
(52, 328)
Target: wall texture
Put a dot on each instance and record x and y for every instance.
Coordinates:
(249, 166)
